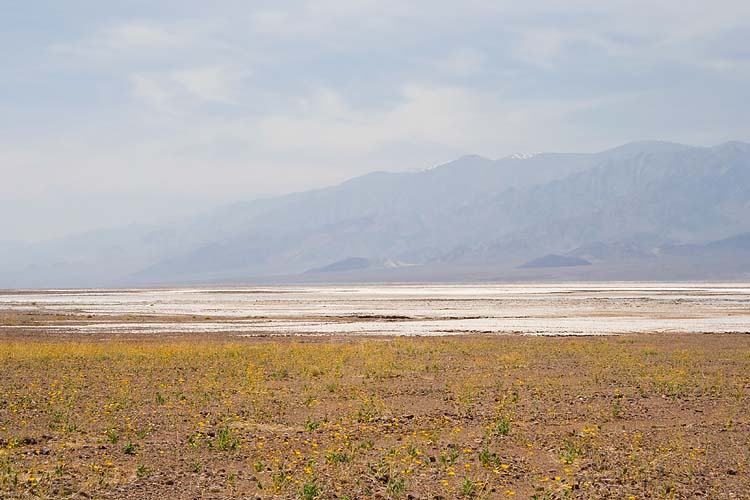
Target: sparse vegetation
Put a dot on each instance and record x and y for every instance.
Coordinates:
(310, 490)
(501, 426)
(141, 471)
(225, 440)
(468, 488)
(396, 487)
(472, 417)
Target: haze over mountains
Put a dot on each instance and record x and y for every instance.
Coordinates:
(645, 210)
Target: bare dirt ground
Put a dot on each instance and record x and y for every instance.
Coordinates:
(196, 415)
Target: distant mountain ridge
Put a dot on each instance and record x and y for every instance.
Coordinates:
(629, 204)
(553, 260)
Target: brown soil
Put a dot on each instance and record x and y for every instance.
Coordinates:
(197, 416)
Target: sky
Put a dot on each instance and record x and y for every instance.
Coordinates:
(114, 113)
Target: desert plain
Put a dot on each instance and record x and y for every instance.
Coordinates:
(620, 390)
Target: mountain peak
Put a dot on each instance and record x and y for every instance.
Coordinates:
(463, 161)
(636, 147)
(470, 157)
(523, 156)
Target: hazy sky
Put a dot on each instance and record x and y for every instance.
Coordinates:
(116, 112)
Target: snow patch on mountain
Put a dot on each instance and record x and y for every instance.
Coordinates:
(523, 156)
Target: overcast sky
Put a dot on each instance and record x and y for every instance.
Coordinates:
(119, 112)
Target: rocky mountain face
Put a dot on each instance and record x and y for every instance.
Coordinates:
(637, 203)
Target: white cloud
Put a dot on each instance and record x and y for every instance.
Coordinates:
(151, 90)
(456, 119)
(462, 62)
(135, 42)
(176, 91)
(236, 99)
(213, 83)
(138, 35)
(540, 47)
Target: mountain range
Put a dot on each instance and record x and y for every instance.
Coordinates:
(645, 210)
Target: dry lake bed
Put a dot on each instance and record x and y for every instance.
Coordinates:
(617, 390)
(576, 309)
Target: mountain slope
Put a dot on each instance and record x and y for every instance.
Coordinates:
(654, 193)
(620, 204)
(378, 215)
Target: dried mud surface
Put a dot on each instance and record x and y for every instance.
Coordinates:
(384, 310)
